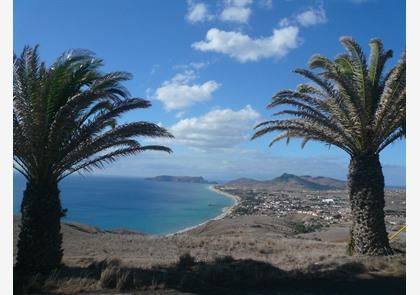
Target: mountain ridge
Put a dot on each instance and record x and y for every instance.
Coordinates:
(291, 182)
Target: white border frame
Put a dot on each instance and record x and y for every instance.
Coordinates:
(413, 145)
(6, 146)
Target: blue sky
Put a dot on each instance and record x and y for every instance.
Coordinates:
(210, 68)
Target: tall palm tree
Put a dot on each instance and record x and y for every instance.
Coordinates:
(65, 120)
(353, 105)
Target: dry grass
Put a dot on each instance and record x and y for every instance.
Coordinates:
(260, 253)
(263, 239)
(223, 274)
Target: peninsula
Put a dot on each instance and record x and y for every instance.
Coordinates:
(186, 179)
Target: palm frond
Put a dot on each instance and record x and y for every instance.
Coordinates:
(350, 103)
(66, 116)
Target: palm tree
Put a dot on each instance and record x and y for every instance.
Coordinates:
(64, 121)
(353, 105)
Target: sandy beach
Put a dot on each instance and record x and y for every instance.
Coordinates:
(236, 198)
(225, 212)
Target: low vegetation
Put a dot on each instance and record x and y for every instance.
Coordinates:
(224, 274)
(302, 228)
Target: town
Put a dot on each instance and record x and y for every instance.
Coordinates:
(325, 207)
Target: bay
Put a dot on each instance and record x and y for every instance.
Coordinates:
(151, 207)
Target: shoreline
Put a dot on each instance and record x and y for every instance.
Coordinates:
(225, 212)
(236, 199)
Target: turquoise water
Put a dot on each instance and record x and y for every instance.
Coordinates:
(133, 203)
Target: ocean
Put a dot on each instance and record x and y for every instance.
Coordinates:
(133, 203)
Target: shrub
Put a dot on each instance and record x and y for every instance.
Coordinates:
(108, 279)
(302, 228)
(125, 280)
(185, 261)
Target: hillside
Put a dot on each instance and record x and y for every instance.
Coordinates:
(326, 181)
(186, 179)
(243, 181)
(244, 255)
(290, 182)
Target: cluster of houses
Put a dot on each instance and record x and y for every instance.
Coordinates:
(328, 207)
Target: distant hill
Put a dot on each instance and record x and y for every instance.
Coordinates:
(186, 179)
(243, 181)
(290, 182)
(293, 181)
(328, 181)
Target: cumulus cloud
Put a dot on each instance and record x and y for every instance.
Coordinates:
(219, 128)
(312, 17)
(197, 12)
(307, 18)
(244, 48)
(179, 92)
(236, 11)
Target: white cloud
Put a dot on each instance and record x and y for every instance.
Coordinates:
(236, 11)
(312, 17)
(266, 3)
(243, 48)
(197, 12)
(307, 18)
(177, 93)
(284, 22)
(191, 65)
(183, 78)
(219, 128)
(236, 14)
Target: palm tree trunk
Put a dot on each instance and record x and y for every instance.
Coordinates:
(366, 189)
(40, 240)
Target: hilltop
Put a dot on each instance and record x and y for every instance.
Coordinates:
(290, 182)
(187, 179)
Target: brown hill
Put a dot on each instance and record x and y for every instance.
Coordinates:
(290, 182)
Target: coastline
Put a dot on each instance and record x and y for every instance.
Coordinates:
(235, 198)
(225, 212)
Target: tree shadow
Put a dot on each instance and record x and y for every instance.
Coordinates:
(224, 275)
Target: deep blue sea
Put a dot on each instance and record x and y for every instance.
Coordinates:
(149, 206)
